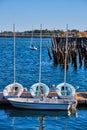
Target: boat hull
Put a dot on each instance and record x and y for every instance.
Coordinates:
(40, 105)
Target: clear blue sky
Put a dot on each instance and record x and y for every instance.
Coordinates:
(52, 14)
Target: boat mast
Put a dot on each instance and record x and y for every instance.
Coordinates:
(14, 54)
(66, 54)
(40, 54)
(31, 38)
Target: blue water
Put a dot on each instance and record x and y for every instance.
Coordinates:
(27, 73)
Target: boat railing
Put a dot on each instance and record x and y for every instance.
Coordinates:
(13, 93)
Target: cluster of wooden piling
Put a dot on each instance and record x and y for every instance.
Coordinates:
(76, 51)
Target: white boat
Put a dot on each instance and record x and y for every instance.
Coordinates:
(66, 90)
(39, 89)
(40, 100)
(45, 104)
(32, 47)
(15, 89)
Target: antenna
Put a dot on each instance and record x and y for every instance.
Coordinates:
(66, 54)
(40, 54)
(14, 54)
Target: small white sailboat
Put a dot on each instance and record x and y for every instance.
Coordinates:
(40, 99)
(66, 90)
(15, 89)
(32, 47)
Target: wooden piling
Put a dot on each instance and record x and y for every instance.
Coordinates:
(48, 47)
(76, 50)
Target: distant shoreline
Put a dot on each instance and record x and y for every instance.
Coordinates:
(45, 34)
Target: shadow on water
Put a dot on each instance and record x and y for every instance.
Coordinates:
(17, 112)
(38, 118)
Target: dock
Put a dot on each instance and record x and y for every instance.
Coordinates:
(81, 97)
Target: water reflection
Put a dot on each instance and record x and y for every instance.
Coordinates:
(33, 113)
(40, 118)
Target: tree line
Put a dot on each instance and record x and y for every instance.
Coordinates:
(45, 33)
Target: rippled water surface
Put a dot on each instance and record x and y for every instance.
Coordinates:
(27, 73)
